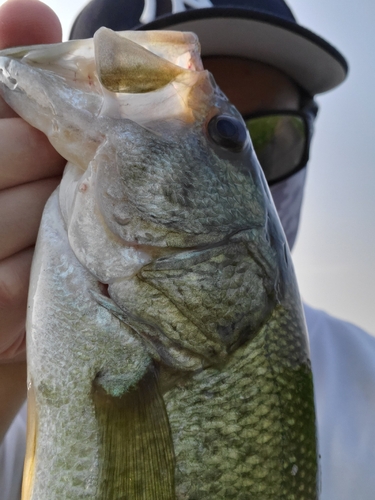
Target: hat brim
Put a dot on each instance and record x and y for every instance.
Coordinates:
(305, 57)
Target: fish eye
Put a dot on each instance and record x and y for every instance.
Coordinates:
(227, 132)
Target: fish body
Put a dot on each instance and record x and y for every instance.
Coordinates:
(167, 351)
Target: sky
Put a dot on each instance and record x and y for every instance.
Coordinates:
(335, 251)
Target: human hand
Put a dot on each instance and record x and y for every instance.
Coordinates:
(30, 169)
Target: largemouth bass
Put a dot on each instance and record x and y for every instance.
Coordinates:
(167, 351)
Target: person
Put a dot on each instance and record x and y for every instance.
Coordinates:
(269, 67)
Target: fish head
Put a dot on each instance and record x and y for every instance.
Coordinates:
(163, 198)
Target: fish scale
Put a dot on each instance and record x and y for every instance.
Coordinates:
(167, 350)
(227, 423)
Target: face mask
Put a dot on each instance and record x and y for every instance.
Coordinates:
(287, 196)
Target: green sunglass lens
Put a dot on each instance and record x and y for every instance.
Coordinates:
(279, 143)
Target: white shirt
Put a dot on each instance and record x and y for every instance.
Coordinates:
(343, 362)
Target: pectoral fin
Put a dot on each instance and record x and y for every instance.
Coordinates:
(125, 66)
(136, 451)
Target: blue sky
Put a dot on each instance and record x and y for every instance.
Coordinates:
(335, 251)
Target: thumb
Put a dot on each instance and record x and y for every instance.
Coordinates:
(28, 22)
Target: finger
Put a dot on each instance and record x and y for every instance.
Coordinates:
(14, 283)
(21, 209)
(27, 22)
(26, 155)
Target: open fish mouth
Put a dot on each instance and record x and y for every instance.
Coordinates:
(112, 75)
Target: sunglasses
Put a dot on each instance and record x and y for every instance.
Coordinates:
(281, 140)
